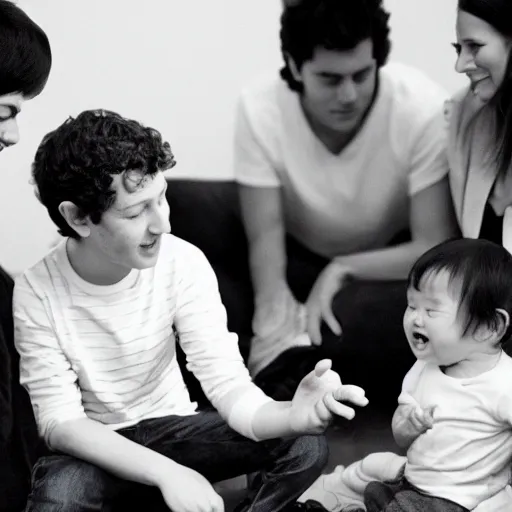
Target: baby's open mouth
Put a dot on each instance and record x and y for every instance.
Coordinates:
(420, 340)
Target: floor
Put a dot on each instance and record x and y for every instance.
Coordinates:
(368, 432)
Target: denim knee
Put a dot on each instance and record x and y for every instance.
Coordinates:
(65, 483)
(312, 452)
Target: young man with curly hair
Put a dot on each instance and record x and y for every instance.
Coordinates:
(96, 326)
(336, 159)
(25, 62)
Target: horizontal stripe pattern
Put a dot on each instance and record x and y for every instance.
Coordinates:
(111, 356)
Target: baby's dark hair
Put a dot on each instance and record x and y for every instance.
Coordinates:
(481, 272)
(76, 162)
(25, 54)
(333, 25)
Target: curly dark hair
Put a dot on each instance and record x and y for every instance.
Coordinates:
(334, 25)
(76, 162)
(25, 54)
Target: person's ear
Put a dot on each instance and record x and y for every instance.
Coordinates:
(294, 70)
(494, 334)
(73, 216)
(503, 323)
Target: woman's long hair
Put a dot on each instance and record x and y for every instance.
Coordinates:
(498, 14)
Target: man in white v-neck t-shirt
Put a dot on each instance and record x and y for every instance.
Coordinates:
(342, 153)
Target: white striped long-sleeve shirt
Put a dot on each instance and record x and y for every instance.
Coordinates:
(108, 352)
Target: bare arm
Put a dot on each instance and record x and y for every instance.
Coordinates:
(263, 221)
(182, 488)
(93, 442)
(432, 220)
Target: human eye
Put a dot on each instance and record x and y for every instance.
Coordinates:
(330, 81)
(474, 47)
(136, 215)
(361, 76)
(457, 47)
(432, 313)
(6, 113)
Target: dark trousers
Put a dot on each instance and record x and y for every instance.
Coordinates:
(203, 442)
(400, 496)
(372, 352)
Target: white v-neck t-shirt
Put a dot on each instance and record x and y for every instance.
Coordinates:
(358, 199)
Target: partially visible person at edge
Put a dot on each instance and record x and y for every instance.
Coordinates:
(25, 62)
(336, 160)
(480, 122)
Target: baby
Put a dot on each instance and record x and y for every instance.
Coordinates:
(455, 410)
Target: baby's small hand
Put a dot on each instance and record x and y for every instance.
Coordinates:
(422, 419)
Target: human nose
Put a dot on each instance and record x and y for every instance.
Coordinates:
(9, 132)
(465, 62)
(347, 92)
(160, 222)
(417, 318)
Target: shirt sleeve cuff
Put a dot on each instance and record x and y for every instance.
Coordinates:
(244, 410)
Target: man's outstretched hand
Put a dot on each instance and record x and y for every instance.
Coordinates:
(318, 399)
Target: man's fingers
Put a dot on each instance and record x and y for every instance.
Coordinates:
(332, 321)
(350, 393)
(337, 408)
(313, 323)
(327, 314)
(322, 366)
(322, 412)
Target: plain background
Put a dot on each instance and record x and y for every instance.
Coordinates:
(176, 65)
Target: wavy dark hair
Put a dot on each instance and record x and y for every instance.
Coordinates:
(25, 53)
(482, 273)
(498, 14)
(77, 162)
(333, 25)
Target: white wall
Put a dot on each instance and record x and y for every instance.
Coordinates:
(422, 33)
(177, 65)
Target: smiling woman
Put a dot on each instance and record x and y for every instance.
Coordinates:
(480, 121)
(482, 54)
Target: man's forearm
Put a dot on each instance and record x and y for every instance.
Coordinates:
(267, 258)
(93, 442)
(384, 264)
(262, 217)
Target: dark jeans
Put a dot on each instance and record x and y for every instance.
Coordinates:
(400, 496)
(203, 442)
(372, 352)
